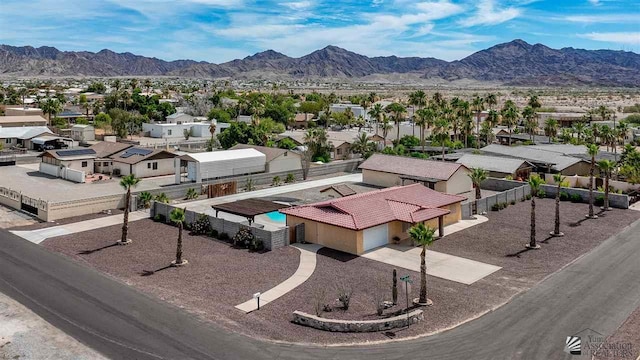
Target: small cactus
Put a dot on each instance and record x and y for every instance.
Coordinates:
(394, 291)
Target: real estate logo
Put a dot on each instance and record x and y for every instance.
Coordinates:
(573, 345)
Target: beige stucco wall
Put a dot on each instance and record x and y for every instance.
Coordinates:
(459, 182)
(141, 170)
(334, 237)
(77, 165)
(580, 169)
(7, 143)
(380, 178)
(282, 163)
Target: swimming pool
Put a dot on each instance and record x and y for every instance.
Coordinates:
(277, 216)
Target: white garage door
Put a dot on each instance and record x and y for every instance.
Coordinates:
(375, 236)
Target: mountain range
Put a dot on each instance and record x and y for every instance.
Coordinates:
(513, 63)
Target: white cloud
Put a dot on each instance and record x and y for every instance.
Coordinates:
(298, 5)
(632, 38)
(602, 18)
(594, 2)
(488, 14)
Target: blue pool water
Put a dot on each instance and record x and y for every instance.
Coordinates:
(277, 216)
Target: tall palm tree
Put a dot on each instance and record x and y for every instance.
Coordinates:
(559, 179)
(177, 217)
(534, 182)
(424, 236)
(51, 107)
(417, 98)
(425, 118)
(212, 131)
(397, 112)
(578, 129)
(530, 122)
(493, 118)
(592, 150)
(491, 100)
(376, 113)
(441, 131)
(478, 107)
(361, 145)
(477, 176)
(551, 129)
(127, 182)
(466, 120)
(133, 84)
(148, 85)
(606, 166)
(510, 116)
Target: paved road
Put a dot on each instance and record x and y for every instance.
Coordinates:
(598, 291)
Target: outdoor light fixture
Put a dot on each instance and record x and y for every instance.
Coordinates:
(257, 297)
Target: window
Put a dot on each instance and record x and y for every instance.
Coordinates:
(155, 165)
(169, 132)
(7, 141)
(84, 164)
(148, 165)
(105, 164)
(338, 151)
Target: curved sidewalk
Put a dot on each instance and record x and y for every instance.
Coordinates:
(305, 269)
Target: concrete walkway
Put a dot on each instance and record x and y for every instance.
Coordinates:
(38, 236)
(636, 207)
(305, 269)
(440, 265)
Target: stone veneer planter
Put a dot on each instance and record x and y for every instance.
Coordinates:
(335, 325)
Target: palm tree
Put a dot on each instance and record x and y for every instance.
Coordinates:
(592, 150)
(441, 131)
(51, 107)
(134, 84)
(177, 217)
(417, 98)
(376, 113)
(397, 111)
(551, 128)
(212, 131)
(145, 198)
(578, 128)
(127, 182)
(491, 100)
(509, 116)
(362, 145)
(530, 122)
(606, 166)
(424, 236)
(478, 107)
(148, 85)
(534, 182)
(493, 118)
(559, 179)
(425, 118)
(477, 176)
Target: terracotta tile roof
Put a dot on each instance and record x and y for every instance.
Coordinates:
(342, 189)
(411, 203)
(403, 165)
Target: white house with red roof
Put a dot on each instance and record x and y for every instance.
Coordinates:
(361, 222)
(388, 170)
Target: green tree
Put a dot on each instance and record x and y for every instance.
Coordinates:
(127, 182)
(478, 106)
(286, 143)
(606, 166)
(477, 176)
(177, 217)
(145, 198)
(592, 150)
(51, 107)
(559, 179)
(441, 132)
(220, 115)
(509, 116)
(397, 112)
(362, 145)
(376, 113)
(551, 128)
(534, 182)
(424, 236)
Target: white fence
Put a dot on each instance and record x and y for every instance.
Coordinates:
(62, 172)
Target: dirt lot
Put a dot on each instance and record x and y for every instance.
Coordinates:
(10, 218)
(627, 333)
(37, 224)
(219, 277)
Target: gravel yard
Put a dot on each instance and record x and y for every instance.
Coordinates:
(37, 224)
(627, 333)
(219, 277)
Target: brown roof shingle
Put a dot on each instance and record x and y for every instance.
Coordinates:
(104, 149)
(409, 166)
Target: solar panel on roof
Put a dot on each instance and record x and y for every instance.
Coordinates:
(76, 152)
(136, 151)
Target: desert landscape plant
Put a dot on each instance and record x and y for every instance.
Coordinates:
(592, 150)
(177, 217)
(607, 167)
(127, 182)
(559, 179)
(534, 182)
(423, 235)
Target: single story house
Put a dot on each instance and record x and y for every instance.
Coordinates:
(83, 133)
(179, 118)
(301, 120)
(24, 136)
(498, 167)
(358, 223)
(218, 164)
(387, 170)
(22, 120)
(143, 162)
(23, 111)
(340, 150)
(70, 115)
(104, 150)
(75, 159)
(545, 161)
(357, 110)
(278, 160)
(176, 130)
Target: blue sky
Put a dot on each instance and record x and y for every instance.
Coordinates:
(222, 30)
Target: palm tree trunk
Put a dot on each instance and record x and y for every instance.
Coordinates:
(557, 227)
(478, 192)
(398, 132)
(179, 246)
(509, 137)
(478, 130)
(532, 242)
(606, 191)
(466, 138)
(443, 151)
(125, 222)
(423, 276)
(591, 170)
(422, 137)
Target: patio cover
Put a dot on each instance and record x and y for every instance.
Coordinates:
(248, 208)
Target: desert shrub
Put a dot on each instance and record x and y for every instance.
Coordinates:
(160, 218)
(513, 202)
(528, 196)
(345, 293)
(542, 194)
(275, 181)
(201, 225)
(191, 194)
(243, 238)
(213, 233)
(564, 196)
(256, 245)
(576, 198)
(290, 178)
(599, 200)
(495, 207)
(224, 236)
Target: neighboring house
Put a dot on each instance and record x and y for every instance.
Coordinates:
(545, 161)
(218, 164)
(23, 111)
(83, 133)
(168, 131)
(356, 109)
(564, 119)
(301, 120)
(179, 118)
(70, 115)
(388, 170)
(340, 150)
(278, 160)
(379, 141)
(22, 120)
(539, 139)
(104, 150)
(499, 167)
(24, 136)
(143, 162)
(358, 223)
(75, 159)
(338, 191)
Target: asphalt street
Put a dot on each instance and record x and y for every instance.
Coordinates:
(598, 291)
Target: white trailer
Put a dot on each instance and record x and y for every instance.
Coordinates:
(217, 164)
